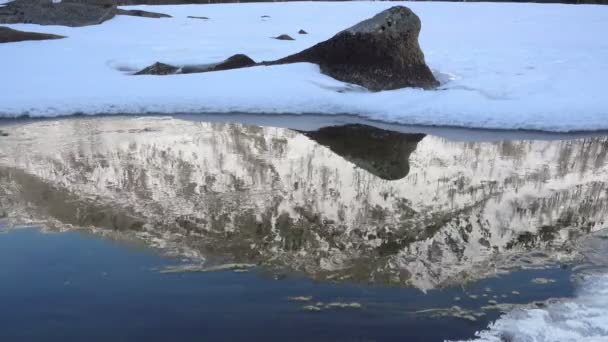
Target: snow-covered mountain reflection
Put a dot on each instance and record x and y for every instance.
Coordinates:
(381, 207)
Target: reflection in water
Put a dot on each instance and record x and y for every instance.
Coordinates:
(381, 152)
(314, 202)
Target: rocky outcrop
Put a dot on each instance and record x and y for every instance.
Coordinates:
(283, 37)
(158, 69)
(143, 14)
(8, 35)
(379, 53)
(72, 13)
(233, 62)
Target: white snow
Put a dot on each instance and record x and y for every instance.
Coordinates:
(585, 318)
(532, 66)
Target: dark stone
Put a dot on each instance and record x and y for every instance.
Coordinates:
(67, 13)
(143, 14)
(234, 62)
(284, 37)
(195, 17)
(380, 53)
(378, 151)
(158, 69)
(302, 32)
(8, 35)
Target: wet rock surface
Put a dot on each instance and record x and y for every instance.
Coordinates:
(380, 53)
(8, 35)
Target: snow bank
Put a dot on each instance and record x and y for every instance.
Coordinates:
(583, 319)
(506, 66)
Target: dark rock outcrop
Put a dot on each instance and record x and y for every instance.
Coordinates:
(234, 62)
(8, 35)
(195, 17)
(283, 37)
(158, 69)
(143, 14)
(379, 53)
(72, 13)
(302, 32)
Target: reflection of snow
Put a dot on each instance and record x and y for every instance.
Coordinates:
(517, 65)
(464, 205)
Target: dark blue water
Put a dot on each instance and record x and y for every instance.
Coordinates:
(75, 287)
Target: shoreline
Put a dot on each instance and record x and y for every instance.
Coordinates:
(313, 122)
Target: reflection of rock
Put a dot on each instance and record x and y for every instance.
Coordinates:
(379, 53)
(8, 35)
(273, 196)
(383, 153)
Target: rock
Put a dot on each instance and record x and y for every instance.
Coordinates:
(379, 53)
(234, 62)
(195, 17)
(158, 69)
(8, 35)
(143, 14)
(67, 13)
(284, 37)
(302, 32)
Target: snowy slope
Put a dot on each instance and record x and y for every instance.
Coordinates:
(527, 66)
